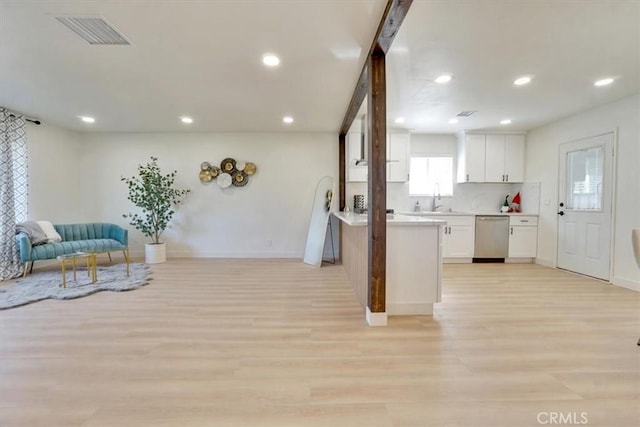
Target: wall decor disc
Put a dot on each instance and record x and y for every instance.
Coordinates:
(240, 165)
(240, 179)
(204, 166)
(205, 176)
(224, 180)
(214, 171)
(250, 168)
(228, 165)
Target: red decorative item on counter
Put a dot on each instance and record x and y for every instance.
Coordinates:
(515, 203)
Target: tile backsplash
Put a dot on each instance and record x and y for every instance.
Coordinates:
(468, 197)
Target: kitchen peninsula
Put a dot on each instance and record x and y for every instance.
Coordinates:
(414, 261)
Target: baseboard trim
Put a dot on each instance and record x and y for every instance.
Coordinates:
(409, 309)
(457, 260)
(518, 260)
(626, 283)
(545, 262)
(249, 255)
(376, 319)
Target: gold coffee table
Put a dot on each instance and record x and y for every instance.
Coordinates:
(91, 265)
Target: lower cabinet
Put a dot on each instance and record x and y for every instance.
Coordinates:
(523, 236)
(457, 239)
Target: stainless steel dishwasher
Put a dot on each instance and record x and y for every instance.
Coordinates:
(492, 238)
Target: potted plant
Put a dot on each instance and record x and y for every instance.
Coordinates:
(155, 195)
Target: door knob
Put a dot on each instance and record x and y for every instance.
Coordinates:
(561, 213)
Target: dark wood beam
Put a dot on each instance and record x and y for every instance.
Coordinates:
(342, 156)
(377, 184)
(394, 14)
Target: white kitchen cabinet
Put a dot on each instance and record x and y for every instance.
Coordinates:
(471, 162)
(491, 158)
(504, 158)
(523, 236)
(457, 238)
(514, 158)
(398, 157)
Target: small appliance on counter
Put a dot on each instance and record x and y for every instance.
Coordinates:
(359, 205)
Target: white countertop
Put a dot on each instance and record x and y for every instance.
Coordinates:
(456, 213)
(354, 219)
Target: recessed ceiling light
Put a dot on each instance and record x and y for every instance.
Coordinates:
(453, 121)
(270, 60)
(522, 80)
(187, 120)
(287, 119)
(604, 82)
(445, 78)
(87, 119)
(505, 122)
(399, 120)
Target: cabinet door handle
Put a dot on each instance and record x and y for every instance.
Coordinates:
(467, 177)
(502, 177)
(512, 230)
(507, 177)
(449, 230)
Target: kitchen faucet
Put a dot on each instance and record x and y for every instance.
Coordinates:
(434, 207)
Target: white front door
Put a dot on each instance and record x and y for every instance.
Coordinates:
(584, 206)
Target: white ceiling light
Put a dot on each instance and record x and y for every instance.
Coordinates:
(505, 122)
(287, 119)
(187, 120)
(522, 80)
(604, 82)
(399, 120)
(453, 121)
(270, 60)
(87, 119)
(445, 78)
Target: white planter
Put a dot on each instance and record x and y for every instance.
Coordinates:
(155, 253)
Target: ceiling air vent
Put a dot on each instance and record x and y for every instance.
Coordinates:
(95, 30)
(466, 113)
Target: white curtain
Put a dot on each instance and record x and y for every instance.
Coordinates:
(13, 189)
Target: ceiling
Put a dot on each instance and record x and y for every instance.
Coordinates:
(203, 59)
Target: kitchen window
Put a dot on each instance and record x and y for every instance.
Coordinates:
(431, 175)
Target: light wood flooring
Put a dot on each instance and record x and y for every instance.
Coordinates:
(220, 343)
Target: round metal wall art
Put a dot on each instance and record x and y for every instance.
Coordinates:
(228, 165)
(240, 179)
(250, 168)
(224, 180)
(230, 173)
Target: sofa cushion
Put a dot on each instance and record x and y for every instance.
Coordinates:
(50, 231)
(52, 250)
(33, 230)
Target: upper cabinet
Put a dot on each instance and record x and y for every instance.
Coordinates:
(398, 157)
(491, 158)
(471, 150)
(398, 145)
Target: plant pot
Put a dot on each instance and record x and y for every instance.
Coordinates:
(155, 253)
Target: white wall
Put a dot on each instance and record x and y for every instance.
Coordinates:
(54, 178)
(542, 165)
(267, 218)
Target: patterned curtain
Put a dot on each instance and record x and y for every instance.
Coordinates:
(13, 189)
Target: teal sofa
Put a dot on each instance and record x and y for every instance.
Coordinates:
(89, 237)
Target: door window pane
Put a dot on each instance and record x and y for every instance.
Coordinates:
(585, 170)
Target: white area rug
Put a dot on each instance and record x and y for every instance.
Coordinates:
(47, 285)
